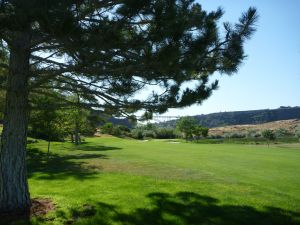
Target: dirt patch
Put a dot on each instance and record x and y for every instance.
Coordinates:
(41, 206)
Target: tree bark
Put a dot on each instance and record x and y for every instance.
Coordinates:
(77, 134)
(14, 193)
(48, 151)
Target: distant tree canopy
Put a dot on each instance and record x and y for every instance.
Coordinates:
(199, 131)
(105, 52)
(46, 122)
(297, 132)
(186, 126)
(190, 128)
(51, 122)
(269, 135)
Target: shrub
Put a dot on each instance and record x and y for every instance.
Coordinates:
(149, 134)
(297, 132)
(281, 132)
(235, 135)
(269, 135)
(116, 131)
(165, 133)
(136, 133)
(107, 128)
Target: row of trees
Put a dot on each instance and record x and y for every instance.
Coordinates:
(187, 128)
(49, 122)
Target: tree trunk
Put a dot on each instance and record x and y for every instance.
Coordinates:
(77, 135)
(48, 152)
(14, 194)
(77, 139)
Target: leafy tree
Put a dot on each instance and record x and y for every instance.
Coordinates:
(281, 132)
(46, 122)
(204, 132)
(199, 131)
(166, 133)
(106, 51)
(269, 135)
(297, 132)
(116, 130)
(137, 133)
(80, 121)
(186, 126)
(107, 128)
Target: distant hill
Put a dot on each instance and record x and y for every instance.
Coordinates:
(123, 122)
(107, 118)
(242, 117)
(288, 125)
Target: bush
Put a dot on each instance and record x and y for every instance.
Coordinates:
(235, 135)
(281, 132)
(107, 128)
(149, 134)
(151, 131)
(252, 134)
(136, 133)
(297, 132)
(116, 131)
(269, 135)
(165, 133)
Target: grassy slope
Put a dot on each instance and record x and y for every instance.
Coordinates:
(117, 181)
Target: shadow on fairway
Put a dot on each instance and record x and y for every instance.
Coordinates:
(182, 208)
(92, 147)
(55, 166)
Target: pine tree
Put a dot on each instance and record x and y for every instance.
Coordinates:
(106, 51)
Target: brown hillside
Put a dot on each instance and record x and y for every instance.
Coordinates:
(289, 125)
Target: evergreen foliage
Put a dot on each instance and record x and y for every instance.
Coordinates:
(104, 52)
(112, 49)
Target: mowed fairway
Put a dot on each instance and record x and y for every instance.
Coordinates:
(119, 181)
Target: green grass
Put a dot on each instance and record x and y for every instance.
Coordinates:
(119, 181)
(255, 141)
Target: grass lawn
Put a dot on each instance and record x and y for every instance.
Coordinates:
(119, 181)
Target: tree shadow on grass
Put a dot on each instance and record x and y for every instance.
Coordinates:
(92, 147)
(182, 208)
(54, 166)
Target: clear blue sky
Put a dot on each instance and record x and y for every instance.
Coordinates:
(270, 76)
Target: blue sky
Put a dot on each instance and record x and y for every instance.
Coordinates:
(270, 76)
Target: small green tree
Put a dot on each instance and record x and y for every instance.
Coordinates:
(269, 135)
(80, 122)
(186, 126)
(297, 132)
(107, 128)
(204, 132)
(200, 131)
(46, 121)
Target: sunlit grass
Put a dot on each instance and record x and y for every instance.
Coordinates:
(119, 181)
